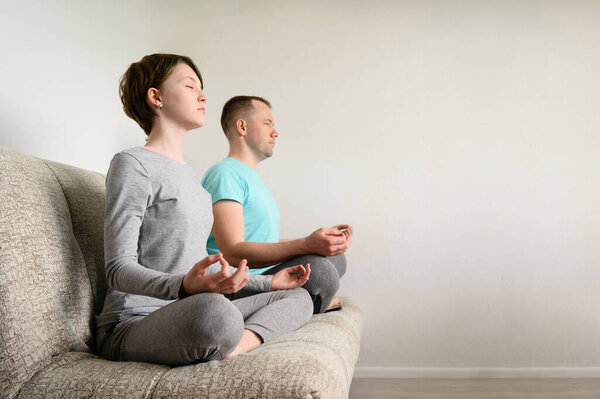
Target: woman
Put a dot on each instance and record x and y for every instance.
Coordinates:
(165, 302)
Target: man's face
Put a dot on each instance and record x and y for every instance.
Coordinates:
(261, 133)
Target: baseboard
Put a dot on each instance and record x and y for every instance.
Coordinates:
(459, 372)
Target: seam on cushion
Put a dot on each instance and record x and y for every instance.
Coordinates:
(77, 241)
(166, 348)
(42, 368)
(152, 387)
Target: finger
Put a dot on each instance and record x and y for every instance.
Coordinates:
(226, 285)
(305, 269)
(238, 277)
(348, 243)
(224, 267)
(230, 289)
(335, 242)
(332, 231)
(338, 250)
(209, 260)
(306, 276)
(348, 234)
(215, 281)
(338, 247)
(302, 280)
(238, 280)
(243, 280)
(240, 273)
(301, 269)
(345, 227)
(290, 270)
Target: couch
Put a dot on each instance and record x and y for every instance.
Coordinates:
(52, 284)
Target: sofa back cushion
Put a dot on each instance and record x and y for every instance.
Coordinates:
(51, 263)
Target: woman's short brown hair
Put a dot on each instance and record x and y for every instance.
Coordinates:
(150, 71)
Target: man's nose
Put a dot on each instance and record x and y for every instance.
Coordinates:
(275, 133)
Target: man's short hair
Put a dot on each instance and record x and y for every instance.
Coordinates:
(235, 108)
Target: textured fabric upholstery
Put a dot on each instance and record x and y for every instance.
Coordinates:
(52, 283)
(46, 302)
(84, 192)
(83, 375)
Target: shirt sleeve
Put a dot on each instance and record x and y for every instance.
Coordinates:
(223, 183)
(128, 193)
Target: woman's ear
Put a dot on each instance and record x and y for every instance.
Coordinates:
(153, 97)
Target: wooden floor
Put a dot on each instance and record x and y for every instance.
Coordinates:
(380, 388)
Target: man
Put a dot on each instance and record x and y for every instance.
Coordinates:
(246, 224)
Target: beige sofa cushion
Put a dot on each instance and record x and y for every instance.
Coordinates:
(46, 298)
(84, 375)
(316, 361)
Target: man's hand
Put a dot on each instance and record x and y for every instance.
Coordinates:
(196, 280)
(348, 231)
(344, 228)
(329, 241)
(290, 277)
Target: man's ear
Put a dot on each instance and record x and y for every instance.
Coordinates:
(153, 97)
(241, 127)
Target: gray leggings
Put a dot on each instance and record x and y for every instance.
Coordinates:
(203, 327)
(324, 280)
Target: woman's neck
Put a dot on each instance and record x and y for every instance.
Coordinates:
(170, 144)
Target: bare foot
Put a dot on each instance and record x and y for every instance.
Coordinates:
(249, 341)
(336, 303)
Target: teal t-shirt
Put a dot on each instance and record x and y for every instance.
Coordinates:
(233, 180)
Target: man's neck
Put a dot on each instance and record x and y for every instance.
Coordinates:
(245, 156)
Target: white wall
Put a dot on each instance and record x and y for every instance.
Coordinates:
(460, 138)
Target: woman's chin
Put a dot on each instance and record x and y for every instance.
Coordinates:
(195, 125)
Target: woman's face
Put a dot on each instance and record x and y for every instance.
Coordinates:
(182, 99)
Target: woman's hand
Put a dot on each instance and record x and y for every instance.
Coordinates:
(196, 280)
(290, 277)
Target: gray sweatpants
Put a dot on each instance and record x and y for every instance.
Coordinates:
(324, 280)
(203, 327)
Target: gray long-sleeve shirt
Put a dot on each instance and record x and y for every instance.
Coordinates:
(158, 218)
